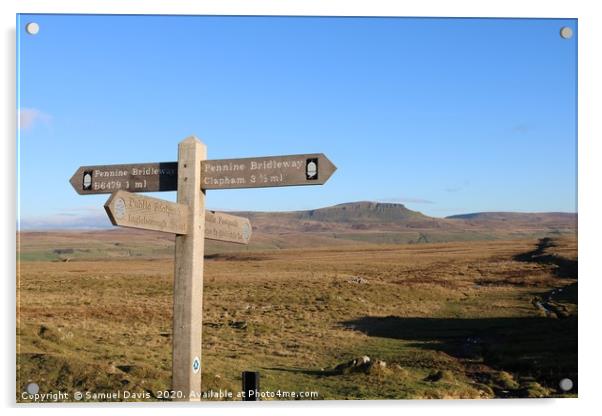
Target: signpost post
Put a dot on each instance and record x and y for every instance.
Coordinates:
(188, 276)
(187, 218)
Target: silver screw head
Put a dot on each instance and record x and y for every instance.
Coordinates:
(566, 32)
(566, 384)
(32, 28)
(32, 388)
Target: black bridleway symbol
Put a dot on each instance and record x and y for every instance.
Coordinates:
(187, 218)
(311, 169)
(87, 180)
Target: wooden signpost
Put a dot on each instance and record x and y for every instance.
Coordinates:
(187, 218)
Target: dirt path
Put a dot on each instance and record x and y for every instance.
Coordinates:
(564, 268)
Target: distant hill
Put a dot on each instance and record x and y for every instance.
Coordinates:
(387, 216)
(344, 224)
(363, 215)
(498, 219)
(513, 216)
(380, 222)
(363, 212)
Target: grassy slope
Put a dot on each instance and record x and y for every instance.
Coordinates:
(450, 320)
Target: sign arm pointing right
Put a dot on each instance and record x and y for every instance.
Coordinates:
(253, 172)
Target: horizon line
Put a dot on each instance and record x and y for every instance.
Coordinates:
(108, 225)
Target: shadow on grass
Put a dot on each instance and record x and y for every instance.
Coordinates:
(565, 294)
(542, 348)
(565, 268)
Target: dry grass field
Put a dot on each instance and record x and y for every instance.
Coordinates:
(448, 320)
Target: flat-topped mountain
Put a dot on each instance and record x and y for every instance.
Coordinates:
(361, 212)
(363, 215)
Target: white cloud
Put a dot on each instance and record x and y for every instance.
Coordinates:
(29, 117)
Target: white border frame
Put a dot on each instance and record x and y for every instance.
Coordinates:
(590, 136)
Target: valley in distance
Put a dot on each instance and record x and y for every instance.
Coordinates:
(361, 300)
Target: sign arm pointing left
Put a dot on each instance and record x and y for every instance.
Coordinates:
(127, 209)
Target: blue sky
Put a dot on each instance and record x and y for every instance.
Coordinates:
(446, 116)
